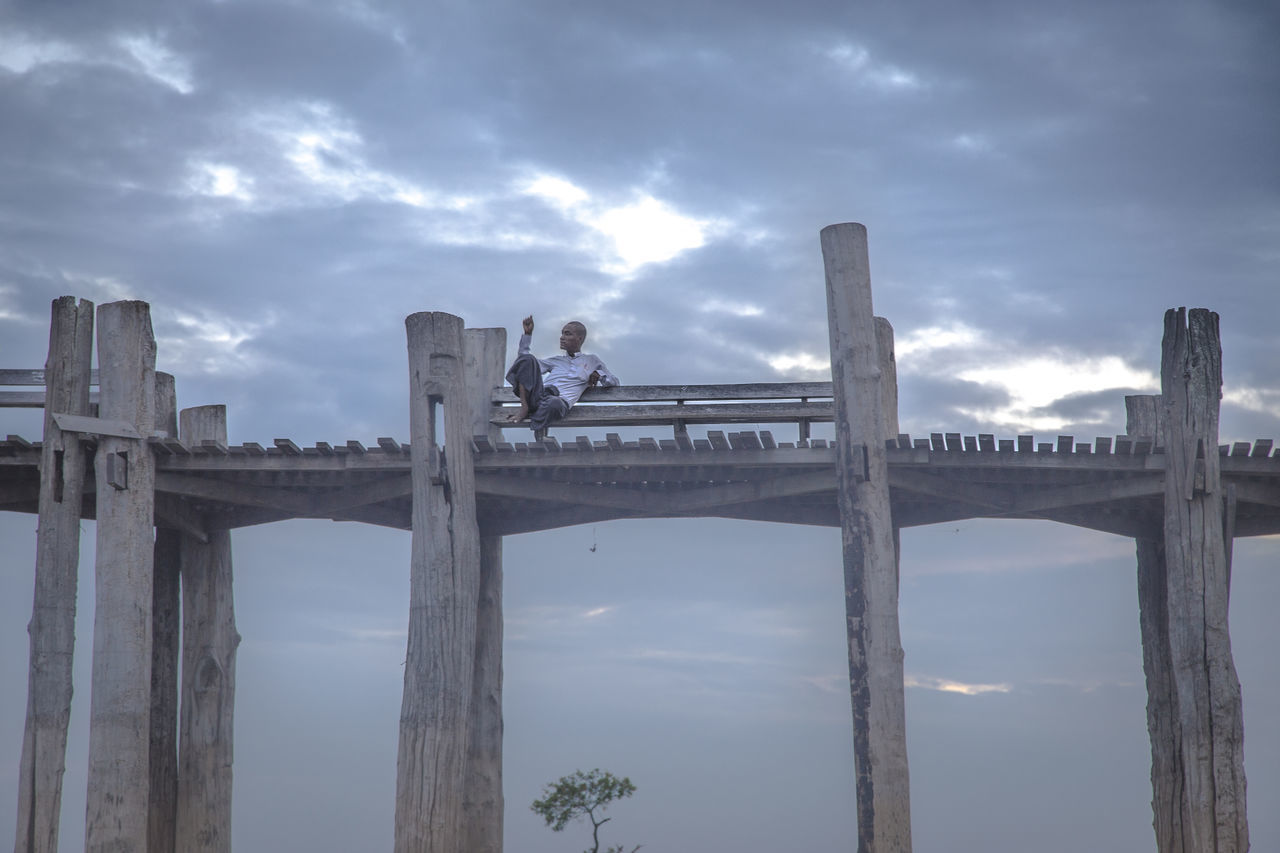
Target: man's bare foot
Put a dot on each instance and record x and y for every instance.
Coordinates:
(519, 415)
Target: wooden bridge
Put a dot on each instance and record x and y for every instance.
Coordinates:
(123, 455)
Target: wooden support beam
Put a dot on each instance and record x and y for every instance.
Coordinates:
(53, 614)
(1206, 687)
(870, 552)
(166, 619)
(116, 814)
(484, 363)
(435, 715)
(209, 642)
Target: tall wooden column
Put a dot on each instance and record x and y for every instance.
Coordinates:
(209, 642)
(1168, 794)
(485, 362)
(870, 555)
(1206, 690)
(444, 592)
(53, 612)
(120, 700)
(165, 621)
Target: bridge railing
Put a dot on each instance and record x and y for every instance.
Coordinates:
(19, 378)
(677, 406)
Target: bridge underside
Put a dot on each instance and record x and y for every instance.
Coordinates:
(1111, 485)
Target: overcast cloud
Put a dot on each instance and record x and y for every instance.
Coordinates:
(286, 181)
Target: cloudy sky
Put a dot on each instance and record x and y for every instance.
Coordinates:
(286, 181)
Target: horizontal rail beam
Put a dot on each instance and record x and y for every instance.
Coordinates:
(691, 393)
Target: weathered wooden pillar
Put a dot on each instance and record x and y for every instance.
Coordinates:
(209, 643)
(165, 608)
(870, 556)
(1168, 796)
(116, 813)
(444, 592)
(484, 365)
(53, 612)
(1206, 689)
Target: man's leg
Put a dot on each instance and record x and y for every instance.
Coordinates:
(550, 408)
(525, 377)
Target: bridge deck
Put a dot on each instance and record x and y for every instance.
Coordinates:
(1112, 484)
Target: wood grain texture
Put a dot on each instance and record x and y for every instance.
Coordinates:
(53, 614)
(484, 353)
(116, 815)
(1206, 687)
(869, 546)
(206, 732)
(444, 594)
(166, 619)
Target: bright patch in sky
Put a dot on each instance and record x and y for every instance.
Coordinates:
(946, 685)
(737, 309)
(919, 341)
(20, 54)
(1036, 382)
(800, 362)
(649, 231)
(158, 62)
(221, 180)
(645, 231)
(856, 60)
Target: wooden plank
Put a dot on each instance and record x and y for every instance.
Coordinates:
(356, 447)
(1006, 445)
(1083, 449)
(717, 439)
(1124, 445)
(1026, 443)
(954, 442)
(482, 444)
(1044, 447)
(766, 440)
(1262, 448)
(324, 448)
(936, 441)
(1142, 445)
(96, 426)
(1066, 443)
(287, 447)
(37, 375)
(1102, 445)
(1241, 448)
(986, 443)
(649, 445)
(970, 444)
(697, 413)
(388, 444)
(691, 393)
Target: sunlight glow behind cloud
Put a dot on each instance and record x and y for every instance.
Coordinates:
(946, 685)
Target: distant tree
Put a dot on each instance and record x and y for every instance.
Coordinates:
(583, 795)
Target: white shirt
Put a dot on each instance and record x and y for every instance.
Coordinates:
(570, 373)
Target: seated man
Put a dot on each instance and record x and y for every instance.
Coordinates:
(567, 376)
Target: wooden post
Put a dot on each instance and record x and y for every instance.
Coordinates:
(116, 814)
(870, 575)
(209, 642)
(888, 378)
(1206, 689)
(165, 606)
(485, 362)
(443, 596)
(1168, 797)
(53, 612)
